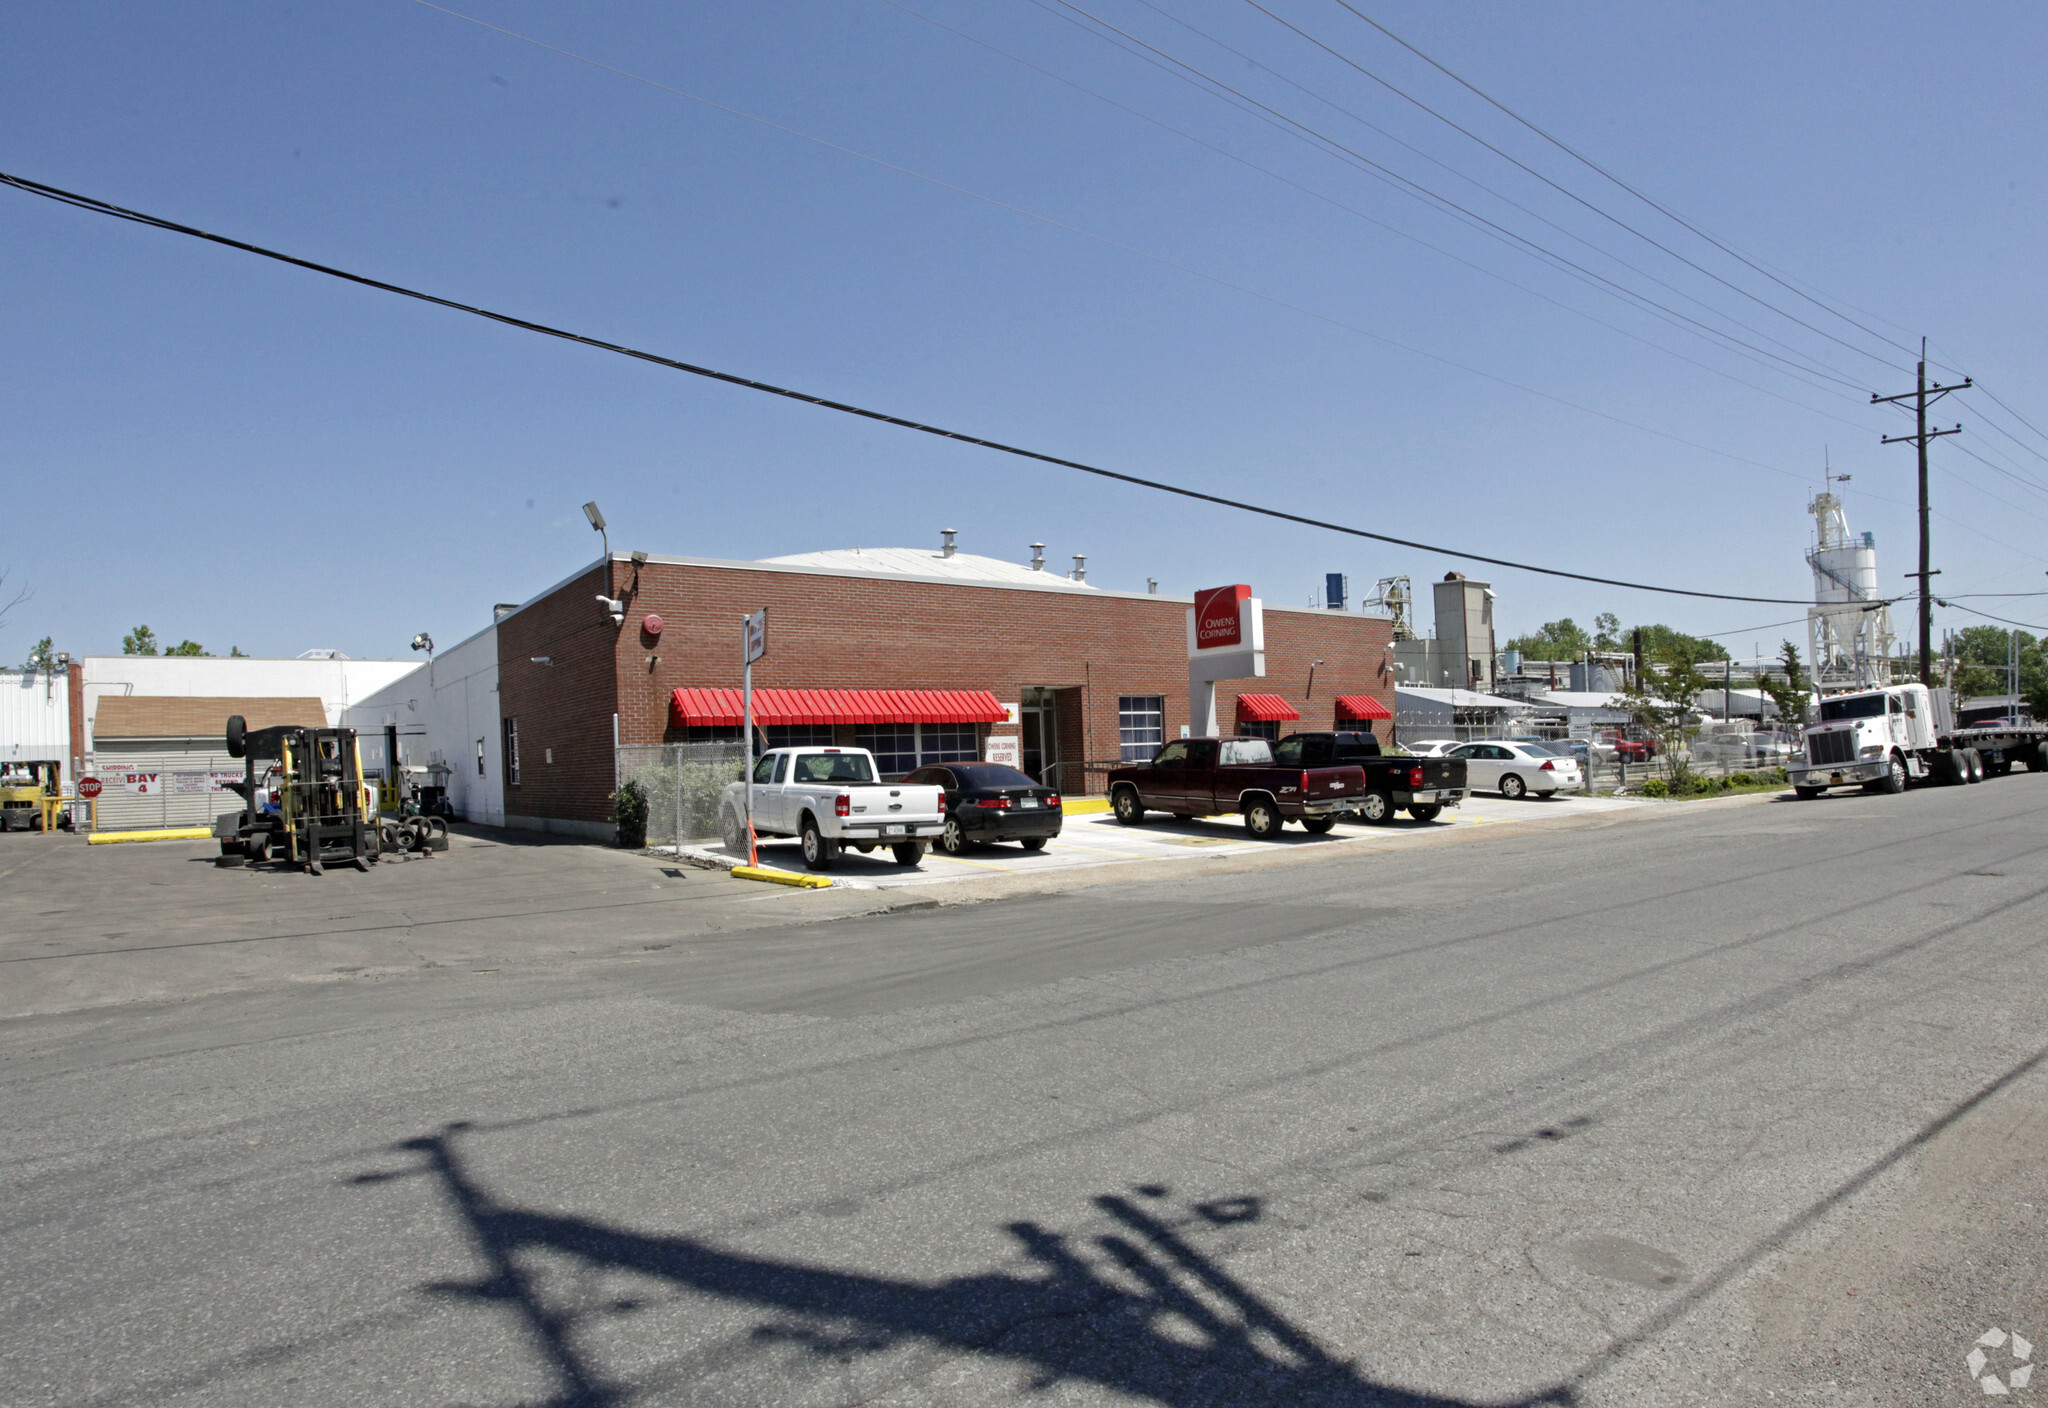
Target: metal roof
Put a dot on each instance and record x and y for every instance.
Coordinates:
(924, 562)
(698, 708)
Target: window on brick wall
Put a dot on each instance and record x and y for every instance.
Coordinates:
(902, 748)
(1140, 725)
(799, 735)
(1252, 728)
(712, 733)
(511, 752)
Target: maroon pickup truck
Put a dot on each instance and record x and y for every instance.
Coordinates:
(1204, 776)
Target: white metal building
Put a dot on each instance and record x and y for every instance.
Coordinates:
(35, 718)
(446, 711)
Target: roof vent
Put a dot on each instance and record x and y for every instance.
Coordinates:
(948, 534)
(1038, 557)
(1152, 586)
(1080, 572)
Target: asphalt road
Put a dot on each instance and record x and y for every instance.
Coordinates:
(1742, 1105)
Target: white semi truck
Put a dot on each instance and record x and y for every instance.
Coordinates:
(1882, 739)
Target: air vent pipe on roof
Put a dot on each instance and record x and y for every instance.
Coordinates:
(947, 535)
(1038, 557)
(1080, 573)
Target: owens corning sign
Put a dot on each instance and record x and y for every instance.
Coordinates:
(1219, 617)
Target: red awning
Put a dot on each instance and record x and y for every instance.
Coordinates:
(1264, 709)
(698, 708)
(1361, 706)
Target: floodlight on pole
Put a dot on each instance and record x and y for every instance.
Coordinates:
(596, 517)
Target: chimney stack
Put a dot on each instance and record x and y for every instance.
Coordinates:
(1038, 557)
(1080, 573)
(948, 534)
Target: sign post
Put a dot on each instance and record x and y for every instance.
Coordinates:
(753, 645)
(1226, 641)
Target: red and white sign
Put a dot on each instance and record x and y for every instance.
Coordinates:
(141, 784)
(88, 787)
(1219, 617)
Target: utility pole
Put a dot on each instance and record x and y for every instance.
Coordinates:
(1923, 396)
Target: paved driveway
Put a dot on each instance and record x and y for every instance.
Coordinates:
(1097, 838)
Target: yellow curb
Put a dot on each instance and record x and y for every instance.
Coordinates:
(1082, 806)
(176, 833)
(780, 877)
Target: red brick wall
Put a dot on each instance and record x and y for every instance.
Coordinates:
(566, 706)
(879, 632)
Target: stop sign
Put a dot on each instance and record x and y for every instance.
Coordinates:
(88, 787)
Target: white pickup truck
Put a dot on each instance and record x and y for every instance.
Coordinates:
(831, 798)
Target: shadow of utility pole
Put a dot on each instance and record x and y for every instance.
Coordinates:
(1071, 1322)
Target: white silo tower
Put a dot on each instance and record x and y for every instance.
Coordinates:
(1848, 637)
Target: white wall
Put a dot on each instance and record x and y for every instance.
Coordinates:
(441, 710)
(35, 718)
(337, 683)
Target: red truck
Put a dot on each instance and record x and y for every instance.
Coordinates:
(1192, 777)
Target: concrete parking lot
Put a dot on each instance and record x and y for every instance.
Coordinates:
(1095, 838)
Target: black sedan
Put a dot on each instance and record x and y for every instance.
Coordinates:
(989, 802)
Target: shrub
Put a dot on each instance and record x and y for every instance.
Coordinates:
(1742, 779)
(1656, 787)
(629, 814)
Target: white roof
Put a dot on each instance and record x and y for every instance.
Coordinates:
(929, 562)
(1459, 698)
(1579, 699)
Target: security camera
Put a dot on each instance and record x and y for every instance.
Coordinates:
(423, 641)
(615, 608)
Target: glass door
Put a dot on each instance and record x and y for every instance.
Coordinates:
(1040, 728)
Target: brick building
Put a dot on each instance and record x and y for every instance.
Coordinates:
(919, 655)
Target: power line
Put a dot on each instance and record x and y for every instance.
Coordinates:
(1567, 192)
(100, 207)
(2023, 625)
(1143, 254)
(1427, 196)
(1377, 222)
(1646, 200)
(1466, 177)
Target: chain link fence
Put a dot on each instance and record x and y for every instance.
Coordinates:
(683, 782)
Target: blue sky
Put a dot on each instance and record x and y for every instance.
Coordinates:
(1059, 272)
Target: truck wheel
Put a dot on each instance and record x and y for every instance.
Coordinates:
(1317, 825)
(1262, 820)
(1894, 779)
(1428, 811)
(1376, 807)
(819, 852)
(1129, 807)
(1807, 794)
(2037, 761)
(732, 831)
(1973, 765)
(1513, 788)
(907, 852)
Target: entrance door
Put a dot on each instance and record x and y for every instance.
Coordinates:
(1040, 727)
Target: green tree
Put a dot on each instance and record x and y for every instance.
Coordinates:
(1607, 631)
(1557, 640)
(140, 641)
(1792, 694)
(1983, 660)
(1660, 700)
(1665, 644)
(43, 657)
(189, 647)
(235, 653)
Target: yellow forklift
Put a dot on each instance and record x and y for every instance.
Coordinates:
(306, 798)
(23, 788)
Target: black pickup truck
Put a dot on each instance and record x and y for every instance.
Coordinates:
(1421, 786)
(1204, 776)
